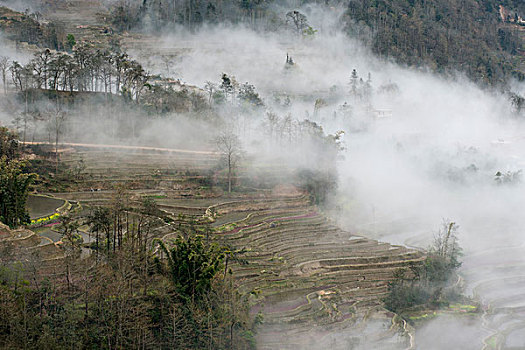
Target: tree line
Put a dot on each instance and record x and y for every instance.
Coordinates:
(159, 15)
(86, 69)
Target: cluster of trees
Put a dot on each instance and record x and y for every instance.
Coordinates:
(14, 181)
(508, 177)
(360, 89)
(314, 152)
(444, 35)
(428, 284)
(279, 129)
(285, 130)
(130, 299)
(54, 86)
(122, 221)
(159, 15)
(86, 69)
(229, 90)
(316, 173)
(133, 292)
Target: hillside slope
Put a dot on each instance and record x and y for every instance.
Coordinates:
(446, 35)
(477, 38)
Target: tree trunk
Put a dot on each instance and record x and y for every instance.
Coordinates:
(229, 174)
(56, 151)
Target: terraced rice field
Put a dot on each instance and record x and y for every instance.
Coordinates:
(310, 276)
(492, 270)
(82, 18)
(39, 206)
(314, 283)
(496, 276)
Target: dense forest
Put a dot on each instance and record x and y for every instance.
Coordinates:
(466, 36)
(445, 36)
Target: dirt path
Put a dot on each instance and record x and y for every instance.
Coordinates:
(125, 147)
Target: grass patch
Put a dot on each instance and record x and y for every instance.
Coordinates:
(463, 307)
(228, 227)
(157, 196)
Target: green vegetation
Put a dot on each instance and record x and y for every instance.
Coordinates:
(128, 15)
(319, 184)
(191, 266)
(443, 35)
(14, 182)
(70, 42)
(9, 145)
(127, 299)
(428, 285)
(14, 188)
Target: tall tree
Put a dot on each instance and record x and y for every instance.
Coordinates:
(229, 145)
(14, 189)
(100, 222)
(298, 21)
(191, 265)
(9, 144)
(4, 66)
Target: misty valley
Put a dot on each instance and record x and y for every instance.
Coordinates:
(203, 174)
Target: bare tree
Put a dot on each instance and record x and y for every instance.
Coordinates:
(229, 145)
(168, 61)
(55, 125)
(210, 89)
(446, 243)
(4, 65)
(41, 67)
(271, 124)
(299, 21)
(21, 121)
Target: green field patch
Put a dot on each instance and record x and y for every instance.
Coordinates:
(463, 307)
(157, 196)
(227, 227)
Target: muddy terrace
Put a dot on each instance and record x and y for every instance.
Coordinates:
(321, 284)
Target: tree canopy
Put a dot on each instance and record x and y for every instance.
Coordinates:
(14, 182)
